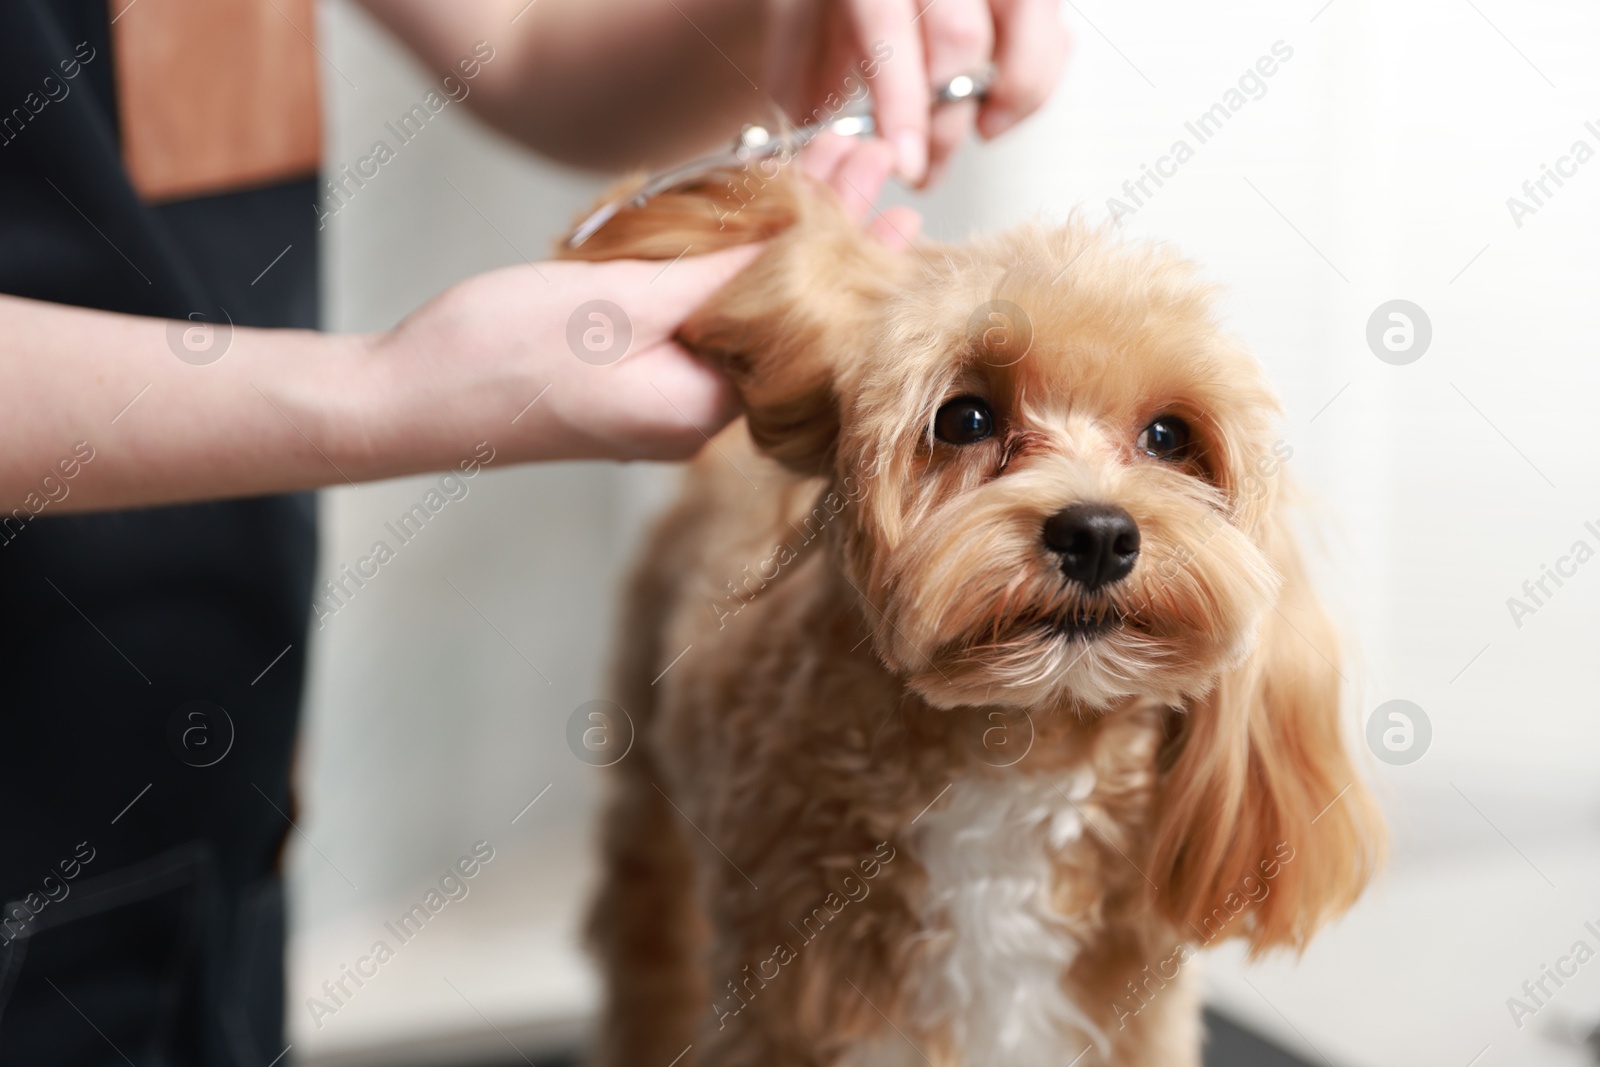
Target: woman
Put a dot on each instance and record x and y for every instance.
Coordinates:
(167, 404)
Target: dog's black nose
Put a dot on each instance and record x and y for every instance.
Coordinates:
(1097, 543)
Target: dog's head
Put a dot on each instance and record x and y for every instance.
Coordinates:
(1069, 496)
(1067, 464)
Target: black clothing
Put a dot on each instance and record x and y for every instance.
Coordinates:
(151, 660)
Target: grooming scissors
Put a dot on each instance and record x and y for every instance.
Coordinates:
(756, 143)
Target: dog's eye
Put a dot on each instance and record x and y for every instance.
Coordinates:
(1166, 438)
(963, 421)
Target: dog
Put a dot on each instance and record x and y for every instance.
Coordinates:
(1006, 690)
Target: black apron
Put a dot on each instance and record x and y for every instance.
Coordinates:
(151, 661)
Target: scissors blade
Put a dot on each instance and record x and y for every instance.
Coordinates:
(756, 142)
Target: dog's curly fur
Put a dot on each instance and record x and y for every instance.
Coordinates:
(892, 807)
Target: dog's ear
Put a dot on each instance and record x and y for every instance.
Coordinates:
(1264, 830)
(787, 326)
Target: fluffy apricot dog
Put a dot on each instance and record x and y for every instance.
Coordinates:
(1007, 690)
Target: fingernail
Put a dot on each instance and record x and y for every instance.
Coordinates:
(910, 156)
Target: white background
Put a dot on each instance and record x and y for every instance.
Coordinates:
(1376, 166)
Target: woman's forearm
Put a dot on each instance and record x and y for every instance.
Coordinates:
(607, 85)
(110, 411)
(156, 411)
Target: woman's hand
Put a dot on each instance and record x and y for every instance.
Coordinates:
(631, 83)
(496, 359)
(814, 48)
(569, 360)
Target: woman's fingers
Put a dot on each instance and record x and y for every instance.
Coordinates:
(958, 38)
(898, 227)
(669, 401)
(901, 98)
(1030, 51)
(857, 170)
(860, 176)
(821, 158)
(657, 298)
(904, 48)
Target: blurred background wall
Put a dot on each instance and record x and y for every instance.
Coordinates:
(1374, 164)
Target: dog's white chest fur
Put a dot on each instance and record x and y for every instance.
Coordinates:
(993, 980)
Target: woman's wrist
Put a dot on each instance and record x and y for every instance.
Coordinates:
(350, 396)
(421, 396)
